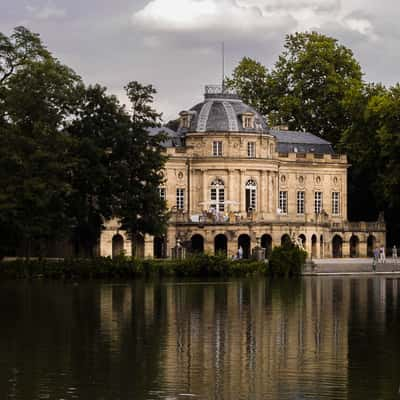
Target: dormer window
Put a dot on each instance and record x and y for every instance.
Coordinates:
(248, 120)
(185, 119)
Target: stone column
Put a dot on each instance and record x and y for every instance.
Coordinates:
(363, 247)
(232, 246)
(230, 190)
(274, 192)
(346, 248)
(209, 243)
(148, 246)
(270, 191)
(261, 201)
(204, 188)
(242, 192)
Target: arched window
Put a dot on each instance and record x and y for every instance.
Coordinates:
(251, 195)
(218, 195)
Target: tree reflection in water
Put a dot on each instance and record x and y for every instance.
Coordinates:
(257, 339)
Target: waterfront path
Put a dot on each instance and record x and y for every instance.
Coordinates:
(350, 266)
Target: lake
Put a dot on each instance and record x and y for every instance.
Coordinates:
(315, 338)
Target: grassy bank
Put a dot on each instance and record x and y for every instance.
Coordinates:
(128, 268)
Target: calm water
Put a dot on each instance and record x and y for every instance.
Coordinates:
(320, 338)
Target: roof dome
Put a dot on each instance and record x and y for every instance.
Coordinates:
(222, 111)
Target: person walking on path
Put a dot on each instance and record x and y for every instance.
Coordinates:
(375, 260)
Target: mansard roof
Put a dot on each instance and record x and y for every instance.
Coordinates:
(300, 142)
(174, 139)
(221, 111)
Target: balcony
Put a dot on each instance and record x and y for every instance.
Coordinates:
(376, 226)
(209, 218)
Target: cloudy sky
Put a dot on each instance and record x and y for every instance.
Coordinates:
(176, 44)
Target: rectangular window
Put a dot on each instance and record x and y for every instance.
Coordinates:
(161, 192)
(300, 202)
(180, 199)
(248, 122)
(217, 149)
(218, 199)
(317, 202)
(283, 202)
(335, 203)
(251, 149)
(251, 199)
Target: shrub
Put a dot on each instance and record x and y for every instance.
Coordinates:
(284, 262)
(287, 260)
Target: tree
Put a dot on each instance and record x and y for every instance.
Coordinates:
(250, 79)
(137, 162)
(311, 83)
(97, 122)
(309, 87)
(360, 142)
(385, 108)
(372, 143)
(37, 97)
(18, 50)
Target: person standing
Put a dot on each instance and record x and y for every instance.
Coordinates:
(240, 252)
(394, 253)
(382, 254)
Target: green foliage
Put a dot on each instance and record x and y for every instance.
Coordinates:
(137, 160)
(71, 156)
(316, 85)
(250, 79)
(309, 87)
(98, 121)
(127, 268)
(372, 143)
(287, 260)
(19, 49)
(37, 95)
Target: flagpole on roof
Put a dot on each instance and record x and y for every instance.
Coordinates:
(223, 67)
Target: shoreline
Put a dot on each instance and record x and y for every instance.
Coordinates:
(350, 267)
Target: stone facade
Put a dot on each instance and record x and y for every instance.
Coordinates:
(231, 181)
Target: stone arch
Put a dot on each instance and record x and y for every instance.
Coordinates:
(371, 244)
(314, 243)
(197, 243)
(220, 244)
(245, 241)
(354, 246)
(303, 240)
(117, 245)
(285, 239)
(337, 247)
(159, 247)
(266, 243)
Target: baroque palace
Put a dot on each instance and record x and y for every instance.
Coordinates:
(233, 181)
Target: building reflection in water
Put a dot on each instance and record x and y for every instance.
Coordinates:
(333, 338)
(227, 340)
(258, 338)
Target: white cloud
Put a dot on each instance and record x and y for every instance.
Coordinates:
(361, 25)
(256, 16)
(46, 11)
(192, 15)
